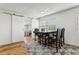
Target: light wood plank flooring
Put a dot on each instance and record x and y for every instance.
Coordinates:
(13, 49)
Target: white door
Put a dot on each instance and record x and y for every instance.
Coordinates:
(5, 29)
(17, 28)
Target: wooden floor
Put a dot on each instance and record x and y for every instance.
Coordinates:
(13, 49)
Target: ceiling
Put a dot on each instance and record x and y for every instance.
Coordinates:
(35, 10)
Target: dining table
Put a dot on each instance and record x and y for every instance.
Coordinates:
(45, 36)
(48, 38)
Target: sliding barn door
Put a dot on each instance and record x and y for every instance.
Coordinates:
(17, 28)
(5, 29)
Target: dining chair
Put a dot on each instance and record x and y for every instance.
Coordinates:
(52, 39)
(59, 37)
(40, 38)
(36, 30)
(62, 36)
(46, 39)
(57, 40)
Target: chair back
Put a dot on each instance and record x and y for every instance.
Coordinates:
(58, 34)
(36, 30)
(62, 32)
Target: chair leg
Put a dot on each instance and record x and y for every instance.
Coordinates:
(63, 41)
(51, 42)
(56, 47)
(42, 41)
(35, 37)
(45, 43)
(60, 44)
(48, 42)
(39, 41)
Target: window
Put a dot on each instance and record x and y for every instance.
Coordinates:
(47, 25)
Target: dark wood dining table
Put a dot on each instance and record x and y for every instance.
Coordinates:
(45, 37)
(48, 32)
(43, 33)
(50, 38)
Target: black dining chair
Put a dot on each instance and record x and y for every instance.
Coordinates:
(56, 39)
(45, 39)
(62, 36)
(52, 38)
(40, 37)
(36, 32)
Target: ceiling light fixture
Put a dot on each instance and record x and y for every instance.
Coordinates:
(42, 12)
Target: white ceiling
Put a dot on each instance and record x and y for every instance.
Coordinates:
(34, 9)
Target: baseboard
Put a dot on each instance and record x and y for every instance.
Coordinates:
(72, 45)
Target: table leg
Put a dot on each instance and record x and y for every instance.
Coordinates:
(56, 46)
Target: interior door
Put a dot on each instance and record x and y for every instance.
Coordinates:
(5, 29)
(17, 28)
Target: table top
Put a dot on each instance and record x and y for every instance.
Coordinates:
(48, 32)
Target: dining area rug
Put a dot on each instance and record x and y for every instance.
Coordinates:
(36, 49)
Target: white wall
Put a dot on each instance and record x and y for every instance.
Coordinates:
(17, 28)
(69, 20)
(11, 31)
(5, 29)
